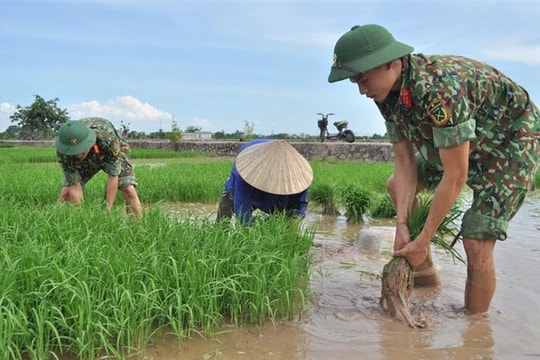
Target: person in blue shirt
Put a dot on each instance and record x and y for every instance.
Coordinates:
(268, 175)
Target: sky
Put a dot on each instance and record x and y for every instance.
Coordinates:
(220, 65)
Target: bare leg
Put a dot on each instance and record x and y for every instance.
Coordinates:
(481, 279)
(133, 204)
(426, 275)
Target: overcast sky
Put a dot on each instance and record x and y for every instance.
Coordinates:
(218, 64)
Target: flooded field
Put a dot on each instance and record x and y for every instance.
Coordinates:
(345, 321)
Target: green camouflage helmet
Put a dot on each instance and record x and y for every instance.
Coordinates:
(74, 138)
(364, 48)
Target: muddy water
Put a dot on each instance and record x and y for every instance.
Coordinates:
(345, 321)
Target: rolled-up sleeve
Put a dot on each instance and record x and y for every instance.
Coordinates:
(450, 136)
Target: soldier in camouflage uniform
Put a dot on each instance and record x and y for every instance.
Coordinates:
(452, 121)
(87, 146)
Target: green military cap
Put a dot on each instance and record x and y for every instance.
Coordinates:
(364, 48)
(74, 138)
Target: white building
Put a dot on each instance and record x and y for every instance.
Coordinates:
(197, 136)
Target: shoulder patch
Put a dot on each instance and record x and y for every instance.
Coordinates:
(438, 112)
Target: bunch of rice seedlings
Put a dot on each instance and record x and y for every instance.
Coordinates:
(357, 201)
(397, 282)
(383, 207)
(324, 195)
(447, 230)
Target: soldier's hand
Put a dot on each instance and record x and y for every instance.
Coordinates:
(415, 252)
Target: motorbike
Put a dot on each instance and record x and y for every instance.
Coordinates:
(124, 130)
(342, 134)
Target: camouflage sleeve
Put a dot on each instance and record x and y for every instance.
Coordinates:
(110, 148)
(446, 137)
(393, 132)
(71, 174)
(451, 113)
(113, 165)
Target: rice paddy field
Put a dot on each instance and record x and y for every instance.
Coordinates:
(87, 283)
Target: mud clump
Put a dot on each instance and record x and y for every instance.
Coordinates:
(397, 286)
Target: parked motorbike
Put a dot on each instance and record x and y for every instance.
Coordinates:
(342, 134)
(124, 130)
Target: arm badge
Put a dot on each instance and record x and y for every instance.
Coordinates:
(438, 112)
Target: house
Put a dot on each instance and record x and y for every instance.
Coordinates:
(197, 136)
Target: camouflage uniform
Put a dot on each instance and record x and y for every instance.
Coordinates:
(448, 100)
(109, 154)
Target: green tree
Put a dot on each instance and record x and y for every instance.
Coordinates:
(219, 135)
(248, 131)
(175, 135)
(40, 120)
(12, 132)
(192, 129)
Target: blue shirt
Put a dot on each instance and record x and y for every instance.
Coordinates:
(247, 198)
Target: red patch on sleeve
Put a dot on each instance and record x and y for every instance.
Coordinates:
(406, 97)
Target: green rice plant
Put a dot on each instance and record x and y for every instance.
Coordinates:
(372, 175)
(383, 207)
(139, 153)
(447, 229)
(30, 154)
(195, 182)
(324, 195)
(357, 200)
(164, 176)
(27, 154)
(91, 283)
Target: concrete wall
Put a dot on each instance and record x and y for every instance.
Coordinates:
(360, 151)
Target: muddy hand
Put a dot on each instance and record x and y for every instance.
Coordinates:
(414, 252)
(403, 236)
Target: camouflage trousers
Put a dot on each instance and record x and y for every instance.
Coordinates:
(499, 182)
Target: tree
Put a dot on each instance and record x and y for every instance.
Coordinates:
(192, 129)
(12, 132)
(248, 130)
(219, 135)
(175, 135)
(40, 120)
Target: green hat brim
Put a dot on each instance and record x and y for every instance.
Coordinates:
(82, 146)
(391, 52)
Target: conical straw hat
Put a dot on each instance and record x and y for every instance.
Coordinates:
(274, 167)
